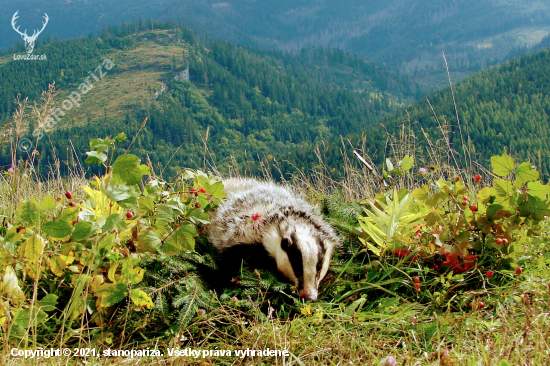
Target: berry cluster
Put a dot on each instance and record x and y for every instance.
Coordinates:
(465, 203)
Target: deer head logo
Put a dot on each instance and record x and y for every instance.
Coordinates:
(29, 41)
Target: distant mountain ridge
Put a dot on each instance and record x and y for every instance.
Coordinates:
(406, 35)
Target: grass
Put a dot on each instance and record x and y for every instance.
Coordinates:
(517, 334)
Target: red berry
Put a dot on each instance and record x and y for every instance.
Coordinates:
(519, 271)
(416, 280)
(480, 305)
(470, 305)
(499, 241)
(477, 178)
(490, 273)
(473, 208)
(194, 191)
(505, 241)
(417, 286)
(202, 190)
(68, 195)
(465, 198)
(72, 204)
(464, 203)
(129, 214)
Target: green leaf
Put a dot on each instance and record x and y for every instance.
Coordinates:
(112, 294)
(146, 205)
(216, 190)
(503, 188)
(57, 266)
(95, 158)
(57, 229)
(141, 299)
(126, 169)
(34, 247)
(149, 241)
(502, 165)
(184, 237)
(6, 259)
(121, 137)
(354, 305)
(529, 206)
(29, 212)
(165, 214)
(487, 195)
(407, 163)
(24, 318)
(100, 144)
(48, 302)
(48, 203)
(131, 274)
(82, 230)
(526, 173)
(421, 194)
(111, 274)
(106, 244)
(70, 214)
(198, 216)
(539, 190)
(389, 165)
(114, 222)
(492, 211)
(118, 192)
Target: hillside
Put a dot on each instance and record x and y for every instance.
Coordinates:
(505, 108)
(253, 104)
(406, 35)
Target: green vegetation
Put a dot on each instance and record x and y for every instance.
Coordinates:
(446, 275)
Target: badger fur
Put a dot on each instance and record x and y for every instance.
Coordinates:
(291, 231)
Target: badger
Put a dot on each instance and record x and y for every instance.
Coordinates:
(274, 217)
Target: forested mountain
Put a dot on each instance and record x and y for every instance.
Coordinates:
(503, 109)
(252, 104)
(406, 35)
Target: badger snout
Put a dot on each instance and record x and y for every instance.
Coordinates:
(308, 295)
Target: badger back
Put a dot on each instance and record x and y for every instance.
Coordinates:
(292, 231)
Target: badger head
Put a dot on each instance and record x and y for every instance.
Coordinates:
(303, 255)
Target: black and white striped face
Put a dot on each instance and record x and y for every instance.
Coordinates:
(304, 259)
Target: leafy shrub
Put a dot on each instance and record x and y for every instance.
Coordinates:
(71, 262)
